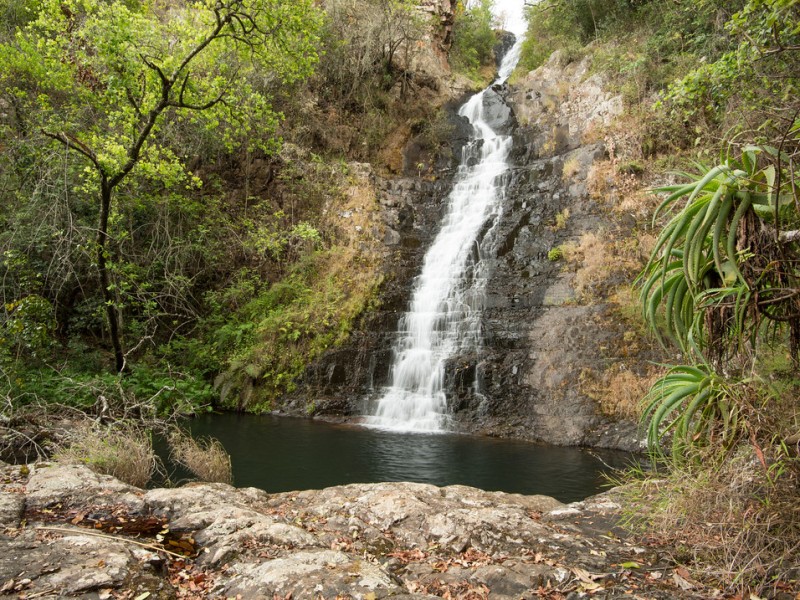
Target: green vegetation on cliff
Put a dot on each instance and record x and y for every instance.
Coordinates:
(473, 38)
(710, 88)
(183, 222)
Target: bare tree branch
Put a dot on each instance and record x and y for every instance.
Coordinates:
(74, 143)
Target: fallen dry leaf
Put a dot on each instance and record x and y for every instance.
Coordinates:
(681, 582)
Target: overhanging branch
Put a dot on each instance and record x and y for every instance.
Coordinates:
(74, 143)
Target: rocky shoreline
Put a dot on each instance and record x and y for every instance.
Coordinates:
(68, 532)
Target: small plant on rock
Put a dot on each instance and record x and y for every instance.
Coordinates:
(561, 220)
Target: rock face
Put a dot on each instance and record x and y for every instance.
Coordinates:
(343, 381)
(398, 540)
(540, 336)
(431, 67)
(558, 105)
(543, 340)
(347, 379)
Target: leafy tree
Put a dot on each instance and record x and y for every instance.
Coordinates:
(112, 81)
(473, 35)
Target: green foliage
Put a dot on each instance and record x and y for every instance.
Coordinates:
(473, 37)
(115, 84)
(720, 282)
(133, 63)
(27, 326)
(697, 77)
(163, 131)
(640, 48)
(758, 72)
(547, 32)
(555, 254)
(15, 13)
(154, 391)
(568, 26)
(632, 167)
(271, 238)
(273, 338)
(724, 271)
(292, 300)
(692, 404)
(171, 392)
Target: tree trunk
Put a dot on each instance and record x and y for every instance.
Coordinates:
(105, 279)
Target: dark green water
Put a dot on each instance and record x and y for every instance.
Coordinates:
(279, 454)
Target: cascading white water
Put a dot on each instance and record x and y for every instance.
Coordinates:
(443, 318)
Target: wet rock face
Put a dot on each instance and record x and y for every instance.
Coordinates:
(398, 540)
(343, 381)
(536, 338)
(504, 44)
(539, 337)
(497, 113)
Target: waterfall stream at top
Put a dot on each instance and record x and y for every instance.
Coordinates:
(444, 315)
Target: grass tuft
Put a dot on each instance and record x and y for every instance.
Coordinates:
(206, 458)
(732, 516)
(120, 450)
(618, 390)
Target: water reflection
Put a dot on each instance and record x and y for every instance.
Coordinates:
(282, 454)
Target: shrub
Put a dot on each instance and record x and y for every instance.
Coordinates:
(364, 44)
(631, 167)
(546, 34)
(594, 262)
(561, 220)
(567, 26)
(571, 168)
(618, 390)
(206, 458)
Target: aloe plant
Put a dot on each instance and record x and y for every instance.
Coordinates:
(716, 255)
(724, 270)
(694, 405)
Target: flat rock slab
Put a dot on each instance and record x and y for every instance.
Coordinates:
(76, 485)
(307, 574)
(71, 564)
(366, 541)
(12, 506)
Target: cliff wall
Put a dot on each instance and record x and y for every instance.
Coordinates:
(564, 358)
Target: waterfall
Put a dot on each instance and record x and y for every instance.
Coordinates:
(444, 316)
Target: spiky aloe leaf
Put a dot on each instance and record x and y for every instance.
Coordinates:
(693, 404)
(703, 235)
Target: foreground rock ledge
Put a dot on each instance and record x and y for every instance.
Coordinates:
(69, 532)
